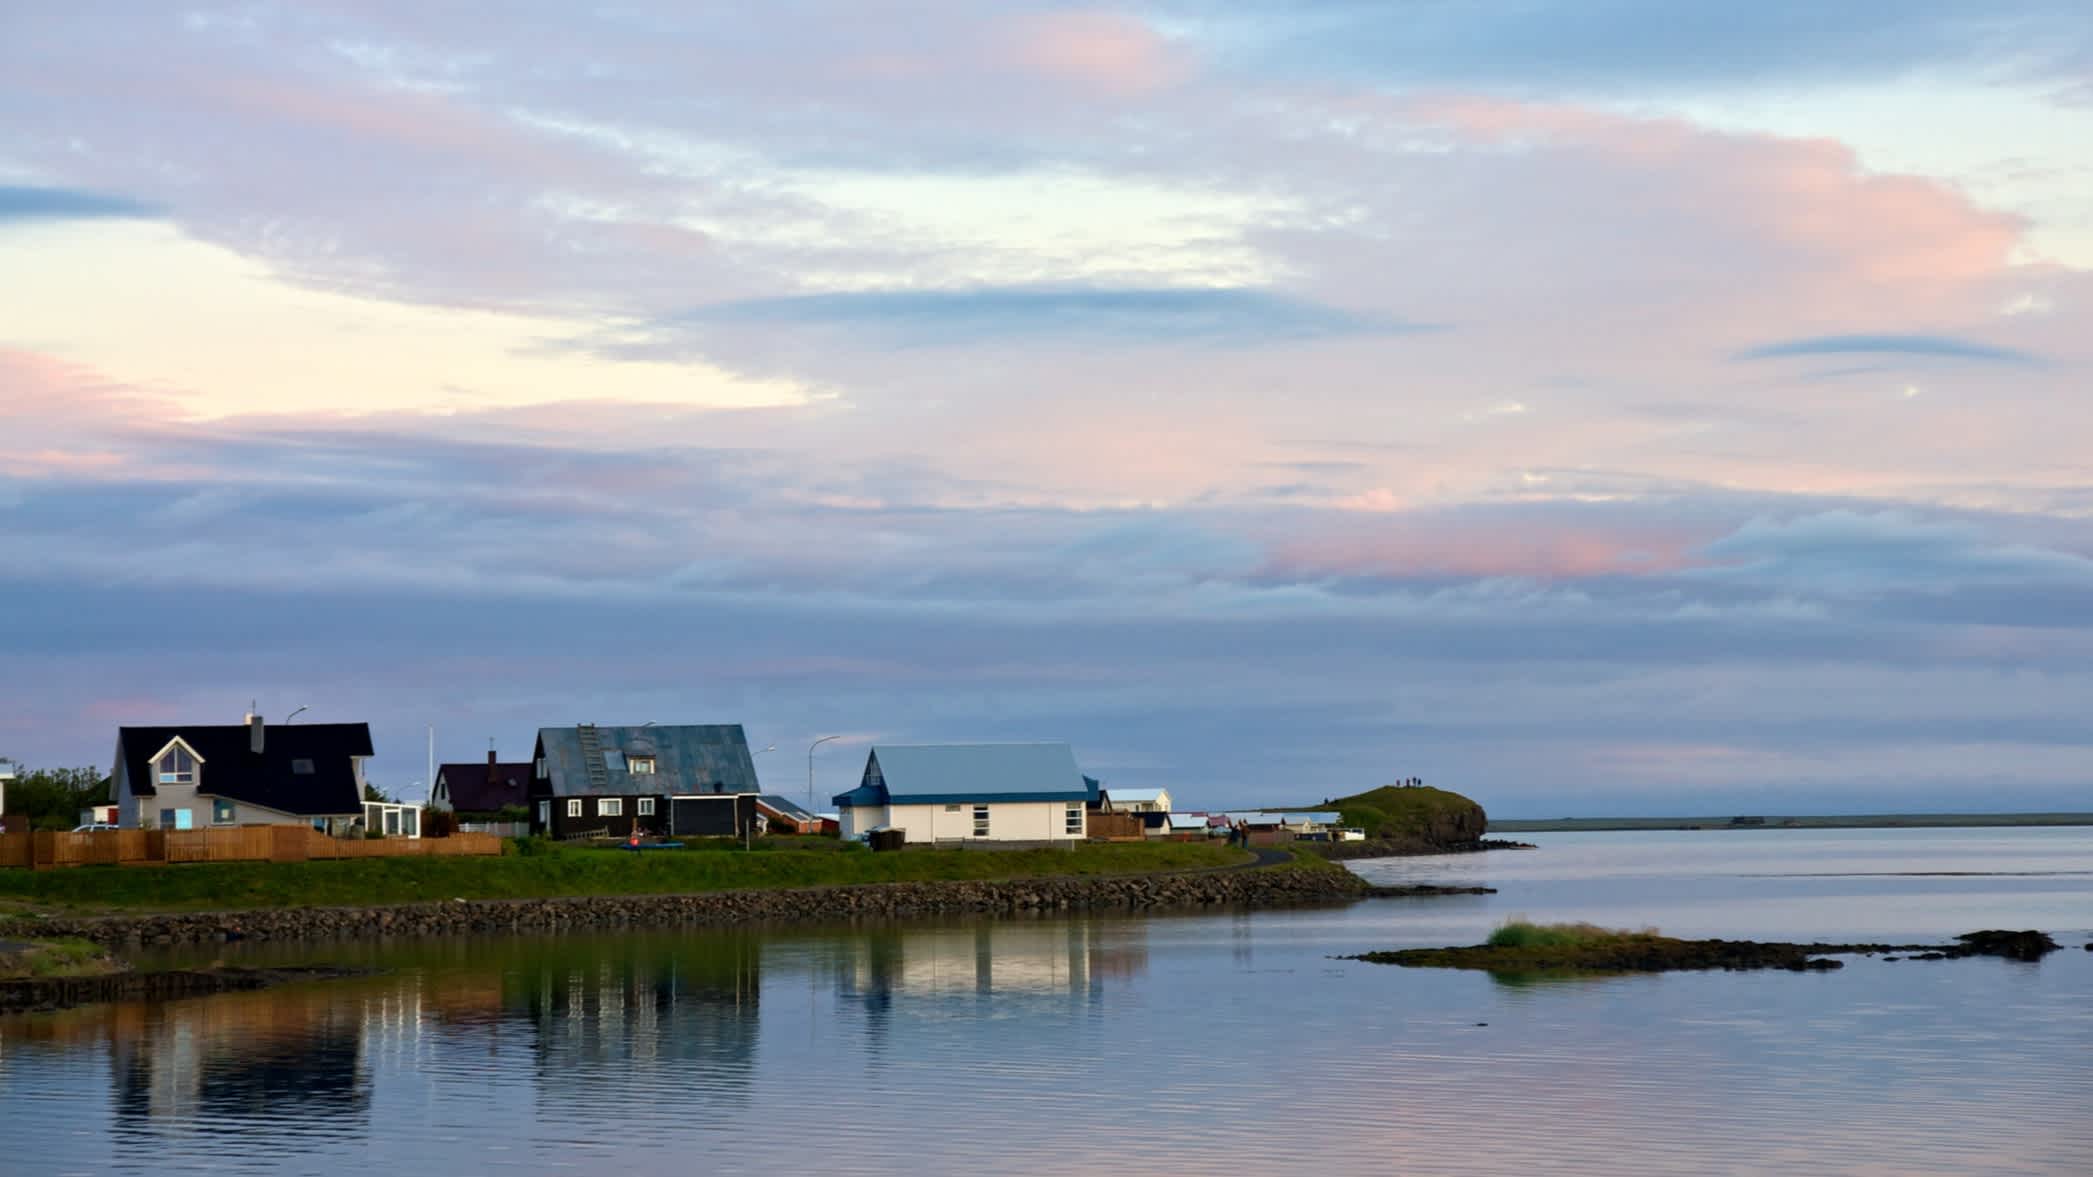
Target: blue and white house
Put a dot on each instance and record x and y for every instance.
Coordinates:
(970, 793)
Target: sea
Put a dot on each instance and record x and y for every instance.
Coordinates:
(1226, 1043)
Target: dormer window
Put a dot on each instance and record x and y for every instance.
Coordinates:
(641, 765)
(178, 767)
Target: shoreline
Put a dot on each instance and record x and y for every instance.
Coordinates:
(1260, 888)
(1774, 821)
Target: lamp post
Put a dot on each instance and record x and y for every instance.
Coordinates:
(810, 769)
(295, 714)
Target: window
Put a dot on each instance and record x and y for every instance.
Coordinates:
(185, 819)
(610, 807)
(1074, 824)
(410, 822)
(981, 821)
(574, 807)
(178, 767)
(301, 767)
(223, 812)
(614, 760)
(646, 807)
(640, 765)
(167, 819)
(951, 809)
(541, 768)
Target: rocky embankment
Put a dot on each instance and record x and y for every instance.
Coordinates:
(1407, 848)
(1281, 887)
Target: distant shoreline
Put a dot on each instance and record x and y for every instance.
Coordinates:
(1772, 821)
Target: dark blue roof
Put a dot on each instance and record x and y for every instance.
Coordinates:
(688, 758)
(961, 774)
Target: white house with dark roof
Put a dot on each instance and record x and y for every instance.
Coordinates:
(202, 775)
(970, 792)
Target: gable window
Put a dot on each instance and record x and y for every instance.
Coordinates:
(1074, 823)
(574, 807)
(981, 821)
(610, 807)
(646, 807)
(541, 768)
(640, 765)
(301, 767)
(178, 767)
(223, 812)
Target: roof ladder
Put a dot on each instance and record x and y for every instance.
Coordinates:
(592, 756)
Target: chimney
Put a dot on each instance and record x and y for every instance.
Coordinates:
(254, 733)
(493, 774)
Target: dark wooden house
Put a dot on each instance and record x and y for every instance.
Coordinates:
(690, 780)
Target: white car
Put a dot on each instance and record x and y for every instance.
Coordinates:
(93, 826)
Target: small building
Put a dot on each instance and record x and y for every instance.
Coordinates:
(481, 789)
(1119, 799)
(785, 816)
(200, 775)
(1189, 827)
(1025, 793)
(690, 780)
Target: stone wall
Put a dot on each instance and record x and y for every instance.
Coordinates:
(1228, 888)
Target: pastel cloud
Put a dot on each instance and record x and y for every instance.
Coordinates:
(66, 204)
(1110, 51)
(1921, 346)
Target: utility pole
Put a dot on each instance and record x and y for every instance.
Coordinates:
(429, 782)
(810, 769)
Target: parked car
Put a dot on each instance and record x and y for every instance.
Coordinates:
(92, 827)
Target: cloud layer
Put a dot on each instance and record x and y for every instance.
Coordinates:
(1272, 400)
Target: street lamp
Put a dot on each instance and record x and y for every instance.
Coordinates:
(810, 769)
(295, 714)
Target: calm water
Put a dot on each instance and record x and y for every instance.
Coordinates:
(1210, 1044)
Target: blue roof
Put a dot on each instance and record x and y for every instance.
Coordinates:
(688, 758)
(957, 774)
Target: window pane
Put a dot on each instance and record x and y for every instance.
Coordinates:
(615, 761)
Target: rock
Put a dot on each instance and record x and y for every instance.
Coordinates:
(2025, 945)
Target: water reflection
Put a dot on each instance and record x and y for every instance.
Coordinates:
(1217, 1043)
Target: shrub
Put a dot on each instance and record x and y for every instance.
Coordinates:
(1518, 933)
(534, 845)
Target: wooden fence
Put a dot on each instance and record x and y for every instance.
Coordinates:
(1115, 827)
(45, 850)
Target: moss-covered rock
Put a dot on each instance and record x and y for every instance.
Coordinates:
(1436, 817)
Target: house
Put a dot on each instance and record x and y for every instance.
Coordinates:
(1126, 800)
(969, 792)
(693, 780)
(481, 788)
(192, 777)
(1189, 827)
(786, 816)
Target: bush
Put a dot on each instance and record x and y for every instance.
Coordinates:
(534, 845)
(1519, 933)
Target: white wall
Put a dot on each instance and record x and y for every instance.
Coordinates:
(1014, 821)
(856, 819)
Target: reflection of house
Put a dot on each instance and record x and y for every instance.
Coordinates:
(296, 1052)
(969, 792)
(182, 778)
(690, 780)
(482, 789)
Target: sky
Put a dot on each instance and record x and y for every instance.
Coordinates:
(1597, 408)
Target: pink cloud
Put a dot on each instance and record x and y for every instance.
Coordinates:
(1106, 52)
(1425, 545)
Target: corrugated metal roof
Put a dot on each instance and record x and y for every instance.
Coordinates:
(1188, 821)
(688, 758)
(1321, 819)
(786, 806)
(930, 774)
(1135, 796)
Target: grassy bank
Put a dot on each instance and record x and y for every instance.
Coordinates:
(556, 871)
(54, 960)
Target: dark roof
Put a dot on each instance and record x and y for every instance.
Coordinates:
(789, 808)
(479, 787)
(231, 770)
(688, 758)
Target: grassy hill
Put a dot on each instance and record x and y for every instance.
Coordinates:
(1423, 814)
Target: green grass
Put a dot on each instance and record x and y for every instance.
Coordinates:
(1522, 934)
(55, 958)
(554, 871)
(1390, 812)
